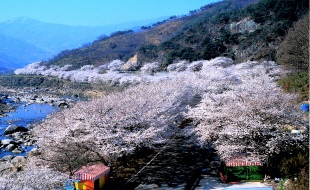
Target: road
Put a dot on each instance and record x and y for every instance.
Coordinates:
(177, 166)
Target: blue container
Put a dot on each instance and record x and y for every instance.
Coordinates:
(305, 107)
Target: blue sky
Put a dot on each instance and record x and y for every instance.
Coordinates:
(96, 12)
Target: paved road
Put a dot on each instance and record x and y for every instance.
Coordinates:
(213, 183)
(177, 166)
(181, 166)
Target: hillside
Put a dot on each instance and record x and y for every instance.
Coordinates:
(225, 28)
(124, 44)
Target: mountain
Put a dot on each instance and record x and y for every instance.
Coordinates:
(25, 40)
(15, 53)
(239, 29)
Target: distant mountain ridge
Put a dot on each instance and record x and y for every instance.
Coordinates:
(25, 40)
(19, 53)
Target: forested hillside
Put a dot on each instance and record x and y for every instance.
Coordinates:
(253, 33)
(221, 29)
(149, 43)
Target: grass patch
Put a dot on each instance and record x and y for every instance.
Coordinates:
(244, 173)
(296, 83)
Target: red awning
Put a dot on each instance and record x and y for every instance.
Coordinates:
(233, 163)
(243, 159)
(93, 172)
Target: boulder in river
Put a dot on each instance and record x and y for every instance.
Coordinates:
(18, 150)
(6, 142)
(10, 147)
(63, 105)
(13, 128)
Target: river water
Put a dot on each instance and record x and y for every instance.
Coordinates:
(22, 116)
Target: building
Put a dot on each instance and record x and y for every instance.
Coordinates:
(92, 177)
(242, 167)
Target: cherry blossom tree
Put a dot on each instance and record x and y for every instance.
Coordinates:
(150, 68)
(247, 111)
(114, 125)
(33, 178)
(233, 107)
(178, 67)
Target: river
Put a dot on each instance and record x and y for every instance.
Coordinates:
(22, 116)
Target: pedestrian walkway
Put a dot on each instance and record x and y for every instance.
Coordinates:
(214, 183)
(181, 165)
(176, 166)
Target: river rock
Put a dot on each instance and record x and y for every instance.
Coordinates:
(13, 128)
(10, 147)
(18, 163)
(4, 96)
(63, 105)
(7, 157)
(6, 142)
(34, 97)
(17, 150)
(17, 135)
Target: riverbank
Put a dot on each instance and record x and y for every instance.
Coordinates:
(20, 109)
(4, 106)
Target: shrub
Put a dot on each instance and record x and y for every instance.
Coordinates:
(296, 83)
(293, 51)
(244, 173)
(301, 183)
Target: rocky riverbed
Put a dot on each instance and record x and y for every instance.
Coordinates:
(19, 111)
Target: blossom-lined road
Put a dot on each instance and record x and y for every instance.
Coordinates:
(177, 165)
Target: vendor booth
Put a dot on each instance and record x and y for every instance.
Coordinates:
(242, 168)
(92, 177)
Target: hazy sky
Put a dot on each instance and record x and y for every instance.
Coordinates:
(96, 12)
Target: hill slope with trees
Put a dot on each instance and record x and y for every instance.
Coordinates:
(125, 44)
(242, 30)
